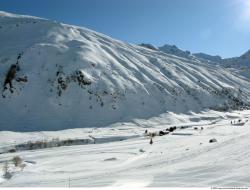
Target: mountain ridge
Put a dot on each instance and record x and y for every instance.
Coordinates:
(242, 60)
(72, 77)
(239, 65)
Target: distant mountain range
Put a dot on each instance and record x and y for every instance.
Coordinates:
(239, 65)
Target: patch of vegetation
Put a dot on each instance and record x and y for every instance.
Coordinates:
(17, 161)
(6, 171)
(49, 144)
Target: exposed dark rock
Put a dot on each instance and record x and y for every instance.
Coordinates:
(161, 133)
(171, 129)
(212, 140)
(11, 74)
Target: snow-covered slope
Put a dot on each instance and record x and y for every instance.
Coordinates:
(238, 65)
(184, 158)
(238, 62)
(65, 76)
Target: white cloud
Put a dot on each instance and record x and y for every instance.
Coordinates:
(242, 8)
(245, 15)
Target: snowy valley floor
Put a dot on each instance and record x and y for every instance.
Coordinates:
(182, 158)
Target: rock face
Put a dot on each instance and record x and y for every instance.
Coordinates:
(174, 50)
(212, 140)
(71, 77)
(149, 46)
(212, 58)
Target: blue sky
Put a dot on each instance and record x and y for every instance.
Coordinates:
(210, 26)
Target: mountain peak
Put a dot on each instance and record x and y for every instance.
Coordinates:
(213, 58)
(149, 46)
(246, 55)
(174, 50)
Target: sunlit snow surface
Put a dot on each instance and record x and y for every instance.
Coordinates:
(176, 159)
(126, 90)
(125, 81)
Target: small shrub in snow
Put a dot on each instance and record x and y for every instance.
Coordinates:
(22, 166)
(110, 159)
(6, 172)
(16, 161)
(151, 141)
(141, 150)
(12, 150)
(152, 134)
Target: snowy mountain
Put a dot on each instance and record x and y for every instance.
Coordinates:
(212, 58)
(238, 65)
(238, 62)
(173, 49)
(135, 116)
(235, 62)
(149, 46)
(57, 76)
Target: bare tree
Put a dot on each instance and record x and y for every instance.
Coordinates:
(17, 160)
(6, 172)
